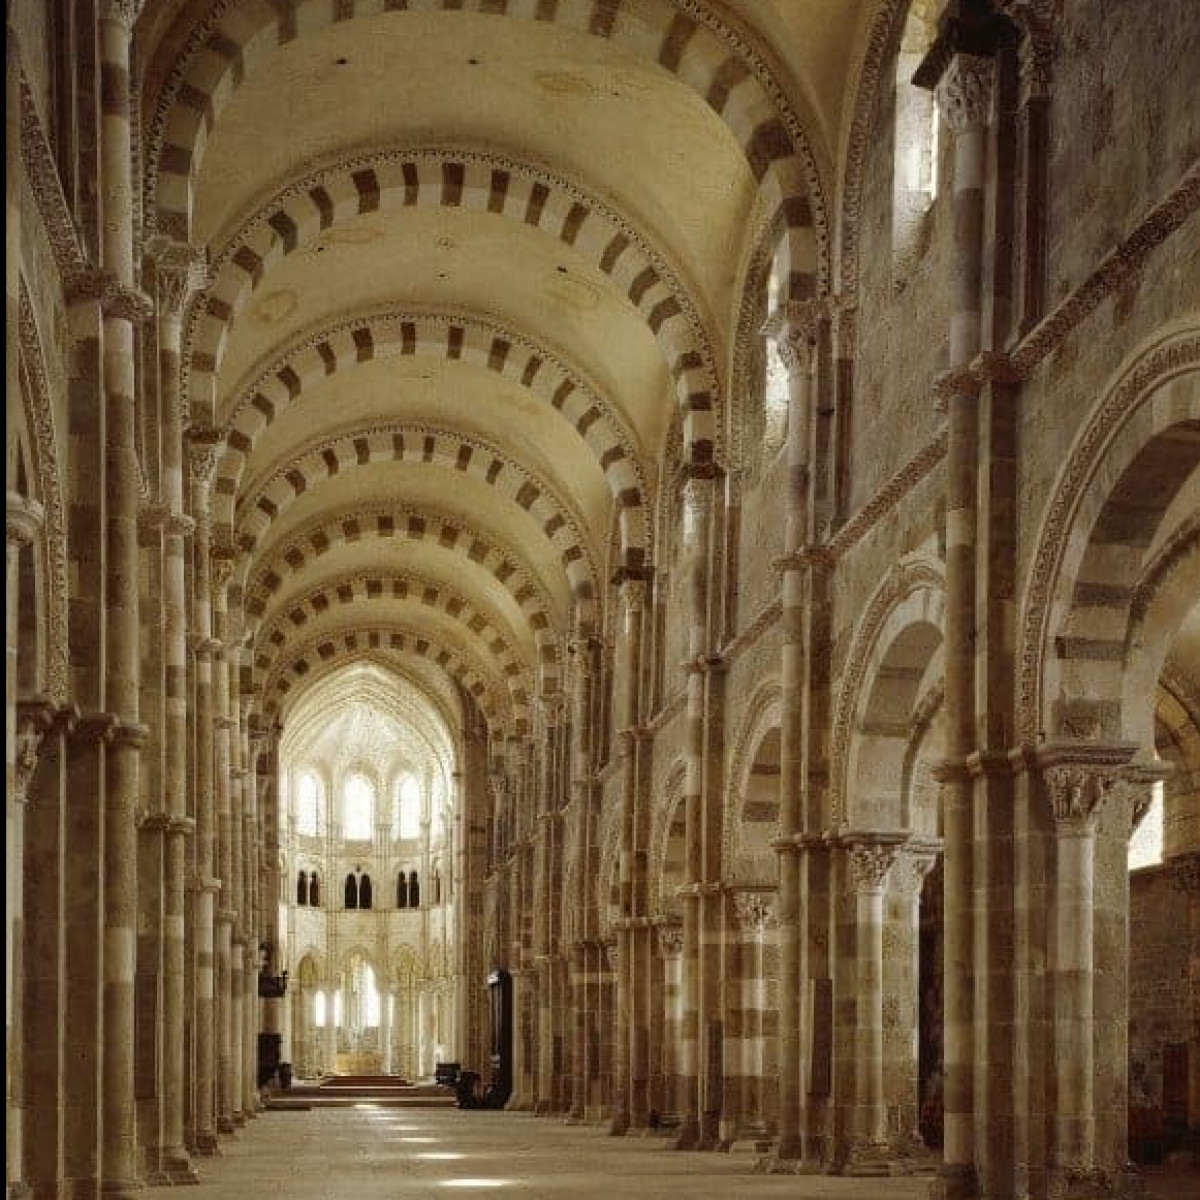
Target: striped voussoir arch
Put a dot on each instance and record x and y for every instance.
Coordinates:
(417, 445)
(684, 37)
(362, 589)
(1090, 654)
(453, 338)
(296, 662)
(392, 180)
(386, 522)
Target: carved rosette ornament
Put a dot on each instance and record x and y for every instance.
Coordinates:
(870, 865)
(792, 327)
(964, 93)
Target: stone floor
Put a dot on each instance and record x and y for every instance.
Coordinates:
(370, 1152)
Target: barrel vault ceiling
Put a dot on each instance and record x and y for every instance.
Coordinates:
(455, 258)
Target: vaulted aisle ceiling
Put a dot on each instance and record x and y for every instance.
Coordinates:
(466, 265)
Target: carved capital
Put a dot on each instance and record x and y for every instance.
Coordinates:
(34, 719)
(870, 866)
(964, 92)
(754, 911)
(793, 327)
(632, 595)
(670, 939)
(1079, 780)
(179, 270)
(204, 448)
(913, 865)
(124, 12)
(24, 519)
(222, 561)
(179, 525)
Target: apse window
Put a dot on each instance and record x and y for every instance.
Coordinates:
(915, 174)
(358, 811)
(310, 807)
(775, 387)
(408, 802)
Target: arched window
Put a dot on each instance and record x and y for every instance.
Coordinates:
(402, 890)
(371, 1009)
(358, 809)
(319, 1016)
(314, 891)
(310, 805)
(1146, 844)
(408, 808)
(437, 888)
(302, 889)
(364, 891)
(915, 149)
(775, 383)
(351, 891)
(414, 891)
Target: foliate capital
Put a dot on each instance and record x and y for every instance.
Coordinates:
(793, 328)
(179, 270)
(870, 865)
(964, 92)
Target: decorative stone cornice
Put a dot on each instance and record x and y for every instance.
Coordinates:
(129, 733)
(94, 284)
(914, 472)
(41, 170)
(964, 92)
(24, 519)
(95, 727)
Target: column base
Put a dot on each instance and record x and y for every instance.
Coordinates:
(1097, 1185)
(178, 1167)
(226, 1126)
(773, 1162)
(206, 1144)
(121, 1187)
(954, 1181)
